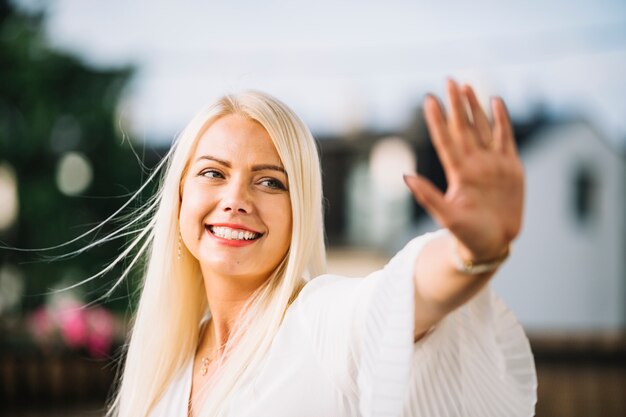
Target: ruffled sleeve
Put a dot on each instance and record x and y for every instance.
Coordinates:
(475, 362)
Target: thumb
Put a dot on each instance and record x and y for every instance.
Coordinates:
(428, 196)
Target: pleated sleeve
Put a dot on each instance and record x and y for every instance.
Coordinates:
(475, 362)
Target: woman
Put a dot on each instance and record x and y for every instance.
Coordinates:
(234, 319)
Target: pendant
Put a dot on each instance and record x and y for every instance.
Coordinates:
(205, 366)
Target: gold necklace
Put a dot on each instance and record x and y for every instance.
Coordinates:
(206, 360)
(205, 365)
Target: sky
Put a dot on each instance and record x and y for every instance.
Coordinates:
(350, 65)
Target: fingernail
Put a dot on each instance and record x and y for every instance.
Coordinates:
(408, 175)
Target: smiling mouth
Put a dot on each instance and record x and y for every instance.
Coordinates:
(233, 234)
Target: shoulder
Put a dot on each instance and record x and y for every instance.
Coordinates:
(332, 292)
(328, 284)
(323, 284)
(325, 294)
(330, 301)
(340, 292)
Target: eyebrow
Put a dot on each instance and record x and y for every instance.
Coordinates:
(261, 167)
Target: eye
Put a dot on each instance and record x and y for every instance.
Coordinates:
(211, 173)
(272, 183)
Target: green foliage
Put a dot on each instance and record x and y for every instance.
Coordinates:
(50, 104)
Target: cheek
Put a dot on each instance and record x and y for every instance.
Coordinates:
(193, 208)
(285, 221)
(194, 198)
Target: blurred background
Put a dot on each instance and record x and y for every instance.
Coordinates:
(92, 94)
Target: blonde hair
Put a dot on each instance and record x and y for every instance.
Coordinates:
(165, 330)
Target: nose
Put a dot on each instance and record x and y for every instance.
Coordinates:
(236, 198)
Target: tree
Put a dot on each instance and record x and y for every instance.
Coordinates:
(54, 107)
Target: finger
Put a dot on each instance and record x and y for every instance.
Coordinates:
(460, 124)
(429, 197)
(481, 122)
(504, 140)
(446, 148)
(458, 112)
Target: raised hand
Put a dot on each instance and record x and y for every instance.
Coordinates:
(483, 203)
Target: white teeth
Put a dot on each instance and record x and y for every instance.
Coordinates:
(233, 234)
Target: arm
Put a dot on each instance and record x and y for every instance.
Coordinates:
(482, 206)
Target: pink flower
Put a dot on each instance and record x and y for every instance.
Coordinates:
(101, 328)
(40, 324)
(67, 319)
(73, 324)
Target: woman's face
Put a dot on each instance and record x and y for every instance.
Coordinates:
(235, 214)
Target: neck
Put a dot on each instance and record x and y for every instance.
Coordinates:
(226, 297)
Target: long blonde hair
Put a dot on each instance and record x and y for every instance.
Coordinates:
(165, 330)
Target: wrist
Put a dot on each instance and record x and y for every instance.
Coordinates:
(467, 262)
(481, 256)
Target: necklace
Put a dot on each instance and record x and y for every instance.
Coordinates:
(205, 365)
(206, 360)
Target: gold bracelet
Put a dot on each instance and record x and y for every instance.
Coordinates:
(472, 267)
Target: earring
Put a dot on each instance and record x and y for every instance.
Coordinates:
(179, 247)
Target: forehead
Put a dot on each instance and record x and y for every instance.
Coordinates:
(237, 137)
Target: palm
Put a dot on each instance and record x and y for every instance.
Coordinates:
(483, 204)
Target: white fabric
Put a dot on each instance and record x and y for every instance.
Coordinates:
(346, 348)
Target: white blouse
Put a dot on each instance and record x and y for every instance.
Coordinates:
(345, 348)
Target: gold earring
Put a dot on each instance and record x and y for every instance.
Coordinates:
(179, 247)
